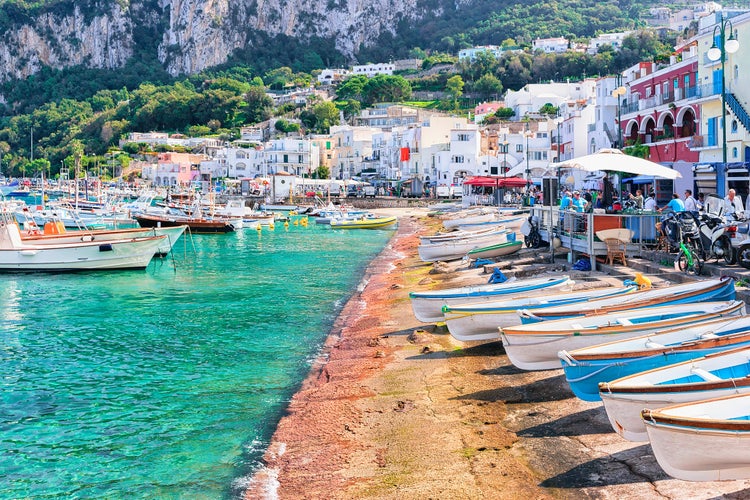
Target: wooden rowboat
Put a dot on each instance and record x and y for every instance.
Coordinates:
(711, 376)
(363, 223)
(585, 369)
(535, 346)
(697, 291)
(428, 306)
(706, 440)
(507, 248)
(468, 322)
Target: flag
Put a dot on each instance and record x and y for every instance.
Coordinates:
(404, 154)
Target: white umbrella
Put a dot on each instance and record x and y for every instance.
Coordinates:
(614, 160)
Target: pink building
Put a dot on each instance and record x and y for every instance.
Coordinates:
(659, 108)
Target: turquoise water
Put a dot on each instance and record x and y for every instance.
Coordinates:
(166, 383)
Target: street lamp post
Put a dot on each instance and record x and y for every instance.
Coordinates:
(528, 134)
(617, 93)
(728, 45)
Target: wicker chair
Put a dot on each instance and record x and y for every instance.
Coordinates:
(617, 241)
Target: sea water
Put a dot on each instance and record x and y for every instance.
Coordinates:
(168, 382)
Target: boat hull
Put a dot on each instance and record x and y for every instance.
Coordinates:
(363, 223)
(481, 322)
(536, 346)
(498, 250)
(710, 290)
(457, 249)
(118, 254)
(702, 441)
(172, 235)
(586, 369)
(428, 306)
(196, 225)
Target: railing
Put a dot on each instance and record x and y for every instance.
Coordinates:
(577, 231)
(695, 92)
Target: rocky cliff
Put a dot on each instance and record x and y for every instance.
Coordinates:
(190, 35)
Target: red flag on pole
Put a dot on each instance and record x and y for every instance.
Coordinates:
(404, 154)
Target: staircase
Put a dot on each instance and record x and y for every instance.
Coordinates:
(738, 110)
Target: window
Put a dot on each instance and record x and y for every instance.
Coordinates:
(734, 126)
(457, 159)
(734, 152)
(519, 148)
(463, 137)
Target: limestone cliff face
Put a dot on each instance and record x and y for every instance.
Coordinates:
(58, 41)
(195, 34)
(201, 33)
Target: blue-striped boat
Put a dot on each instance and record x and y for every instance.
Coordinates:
(711, 376)
(468, 322)
(586, 368)
(536, 346)
(428, 306)
(714, 290)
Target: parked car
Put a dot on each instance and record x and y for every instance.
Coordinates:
(368, 191)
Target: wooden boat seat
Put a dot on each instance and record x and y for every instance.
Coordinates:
(654, 345)
(707, 376)
(709, 335)
(624, 322)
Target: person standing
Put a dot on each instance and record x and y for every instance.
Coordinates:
(690, 203)
(649, 205)
(637, 199)
(579, 203)
(566, 201)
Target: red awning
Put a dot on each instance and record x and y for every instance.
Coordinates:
(496, 181)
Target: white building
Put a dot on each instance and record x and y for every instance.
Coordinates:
(296, 156)
(471, 53)
(371, 70)
(235, 163)
(332, 76)
(550, 45)
(614, 40)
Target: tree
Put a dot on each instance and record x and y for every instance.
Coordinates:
(455, 87)
(322, 172)
(488, 85)
(259, 105)
(386, 88)
(351, 88)
(549, 109)
(326, 115)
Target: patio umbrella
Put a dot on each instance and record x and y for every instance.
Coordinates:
(614, 160)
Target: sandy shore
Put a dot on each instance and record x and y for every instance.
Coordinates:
(398, 409)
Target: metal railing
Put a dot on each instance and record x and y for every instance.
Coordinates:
(577, 231)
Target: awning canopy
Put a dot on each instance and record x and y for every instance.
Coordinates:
(490, 181)
(614, 160)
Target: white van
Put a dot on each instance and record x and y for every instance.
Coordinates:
(445, 191)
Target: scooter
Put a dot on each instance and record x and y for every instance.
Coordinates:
(739, 234)
(715, 241)
(715, 234)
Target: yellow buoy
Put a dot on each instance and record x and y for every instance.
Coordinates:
(259, 227)
(271, 226)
